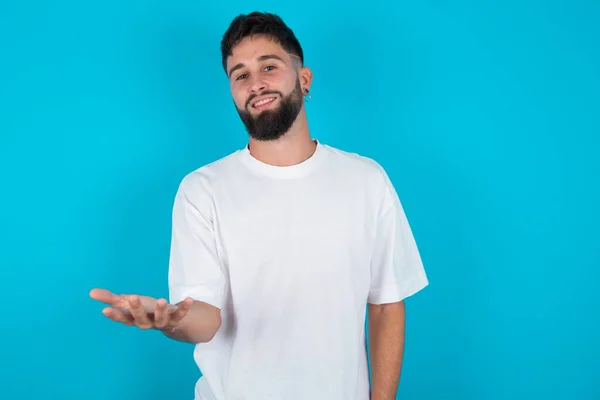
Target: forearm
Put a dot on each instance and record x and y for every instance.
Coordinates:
(386, 342)
(199, 325)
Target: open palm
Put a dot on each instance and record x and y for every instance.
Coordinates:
(142, 311)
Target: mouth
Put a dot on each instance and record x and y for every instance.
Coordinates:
(263, 103)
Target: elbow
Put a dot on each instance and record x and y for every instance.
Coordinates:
(210, 334)
(210, 331)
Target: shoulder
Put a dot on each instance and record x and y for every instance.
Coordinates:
(198, 188)
(367, 177)
(206, 177)
(359, 166)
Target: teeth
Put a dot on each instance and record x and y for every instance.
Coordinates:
(265, 101)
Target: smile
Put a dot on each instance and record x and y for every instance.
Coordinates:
(263, 102)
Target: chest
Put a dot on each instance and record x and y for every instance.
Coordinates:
(277, 237)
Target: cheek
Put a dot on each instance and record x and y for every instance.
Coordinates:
(239, 97)
(289, 83)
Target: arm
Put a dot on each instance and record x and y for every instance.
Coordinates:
(195, 269)
(199, 325)
(397, 272)
(187, 321)
(386, 347)
(196, 280)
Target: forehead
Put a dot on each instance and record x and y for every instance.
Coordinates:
(251, 48)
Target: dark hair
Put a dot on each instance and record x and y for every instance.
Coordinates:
(259, 23)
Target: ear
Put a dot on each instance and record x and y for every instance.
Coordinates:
(306, 77)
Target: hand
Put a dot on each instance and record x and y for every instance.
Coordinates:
(142, 311)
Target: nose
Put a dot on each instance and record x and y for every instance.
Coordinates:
(257, 85)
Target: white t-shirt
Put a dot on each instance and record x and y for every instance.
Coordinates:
(291, 256)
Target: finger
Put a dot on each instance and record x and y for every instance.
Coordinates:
(104, 296)
(140, 316)
(161, 314)
(107, 297)
(118, 316)
(181, 311)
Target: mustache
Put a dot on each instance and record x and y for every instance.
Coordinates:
(253, 96)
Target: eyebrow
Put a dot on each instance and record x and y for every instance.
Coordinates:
(261, 58)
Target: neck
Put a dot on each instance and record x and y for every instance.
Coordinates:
(294, 147)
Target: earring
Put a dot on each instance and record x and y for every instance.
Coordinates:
(307, 95)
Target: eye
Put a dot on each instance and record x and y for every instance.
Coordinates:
(270, 66)
(242, 76)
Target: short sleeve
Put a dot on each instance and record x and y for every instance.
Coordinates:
(194, 266)
(397, 270)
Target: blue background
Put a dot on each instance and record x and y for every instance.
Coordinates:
(486, 117)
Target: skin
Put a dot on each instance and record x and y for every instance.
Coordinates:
(259, 64)
(189, 321)
(386, 343)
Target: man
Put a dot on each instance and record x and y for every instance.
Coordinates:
(278, 248)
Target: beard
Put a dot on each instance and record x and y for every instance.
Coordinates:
(273, 124)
